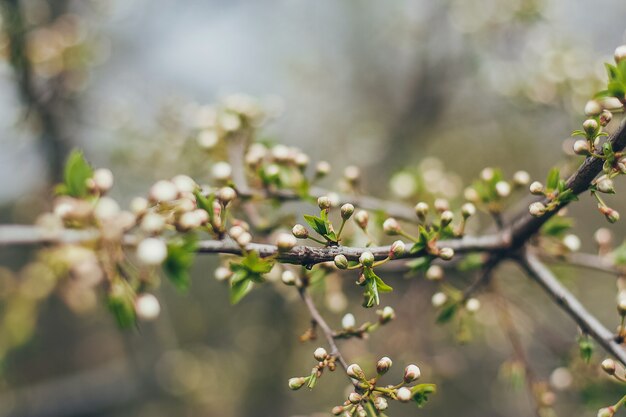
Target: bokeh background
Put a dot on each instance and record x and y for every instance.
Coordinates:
(380, 85)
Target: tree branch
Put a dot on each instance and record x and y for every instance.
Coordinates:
(570, 304)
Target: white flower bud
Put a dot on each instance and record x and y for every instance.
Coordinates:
(354, 398)
(352, 173)
(288, 277)
(404, 394)
(487, 174)
(446, 218)
(593, 108)
(383, 365)
(380, 403)
(139, 205)
(503, 189)
(605, 117)
(320, 354)
(285, 242)
(207, 138)
(334, 199)
(300, 231)
(468, 210)
(391, 226)
(471, 194)
(106, 208)
(611, 215)
(605, 185)
(620, 53)
(296, 383)
(236, 231)
(411, 373)
(446, 253)
(387, 314)
(221, 171)
(438, 299)
(434, 273)
(322, 168)
(362, 218)
(280, 153)
(590, 126)
(301, 160)
(603, 236)
(152, 251)
(103, 179)
(222, 273)
(581, 147)
(572, 242)
(184, 183)
(397, 249)
(348, 321)
(606, 412)
(421, 209)
(341, 261)
(367, 258)
(441, 205)
(536, 188)
(147, 307)
(355, 371)
(189, 220)
(472, 305)
(226, 195)
(244, 239)
(346, 211)
(324, 202)
(152, 223)
(521, 178)
(163, 191)
(537, 209)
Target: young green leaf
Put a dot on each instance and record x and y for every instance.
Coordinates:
(180, 256)
(77, 172)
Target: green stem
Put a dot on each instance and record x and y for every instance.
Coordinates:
(316, 240)
(343, 223)
(408, 236)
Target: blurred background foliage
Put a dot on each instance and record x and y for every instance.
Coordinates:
(394, 88)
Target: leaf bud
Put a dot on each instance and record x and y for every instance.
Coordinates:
(300, 231)
(341, 261)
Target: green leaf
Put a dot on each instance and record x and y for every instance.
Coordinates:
(316, 224)
(471, 262)
(419, 264)
(180, 256)
(611, 71)
(585, 347)
(616, 89)
(552, 181)
(77, 172)
(557, 226)
(120, 302)
(240, 286)
(421, 392)
(380, 284)
(619, 254)
(249, 270)
(205, 202)
(447, 312)
(257, 265)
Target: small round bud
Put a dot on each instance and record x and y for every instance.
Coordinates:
(572, 242)
(322, 168)
(609, 366)
(605, 185)
(387, 314)
(521, 178)
(288, 277)
(147, 307)
(320, 354)
(603, 236)
(184, 183)
(362, 218)
(380, 403)
(139, 206)
(103, 179)
(446, 218)
(439, 299)
(472, 305)
(367, 259)
(285, 242)
(536, 188)
(411, 373)
(334, 199)
(537, 209)
(421, 209)
(487, 174)
(337, 410)
(106, 209)
(341, 261)
(301, 160)
(324, 202)
(163, 191)
(468, 210)
(620, 53)
(236, 231)
(593, 108)
(621, 306)
(244, 239)
(383, 365)
(391, 226)
(397, 249)
(471, 194)
(605, 117)
(503, 189)
(348, 321)
(611, 215)
(355, 371)
(590, 126)
(226, 195)
(296, 383)
(221, 171)
(606, 412)
(404, 394)
(189, 220)
(352, 173)
(441, 205)
(434, 273)
(581, 147)
(446, 253)
(222, 273)
(152, 251)
(354, 398)
(300, 231)
(346, 211)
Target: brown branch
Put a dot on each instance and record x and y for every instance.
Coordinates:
(570, 304)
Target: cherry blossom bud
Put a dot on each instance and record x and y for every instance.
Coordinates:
(411, 373)
(609, 366)
(536, 188)
(438, 299)
(362, 218)
(106, 209)
(296, 383)
(434, 273)
(471, 194)
(288, 277)
(380, 403)
(421, 209)
(606, 412)
(222, 273)
(397, 249)
(346, 211)
(441, 205)
(103, 179)
(391, 226)
(244, 239)
(468, 210)
(337, 410)
(503, 189)
(621, 306)
(620, 53)
(300, 231)
(446, 253)
(341, 261)
(537, 209)
(152, 251)
(322, 169)
(320, 354)
(226, 195)
(404, 394)
(354, 398)
(605, 117)
(139, 206)
(572, 242)
(593, 108)
(611, 215)
(221, 171)
(324, 202)
(236, 231)
(605, 185)
(446, 218)
(355, 371)
(163, 191)
(334, 199)
(621, 164)
(367, 259)
(272, 171)
(285, 242)
(387, 314)
(301, 160)
(184, 183)
(348, 321)
(590, 126)
(147, 307)
(352, 173)
(472, 305)
(207, 138)
(521, 178)
(581, 147)
(603, 236)
(383, 365)
(280, 153)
